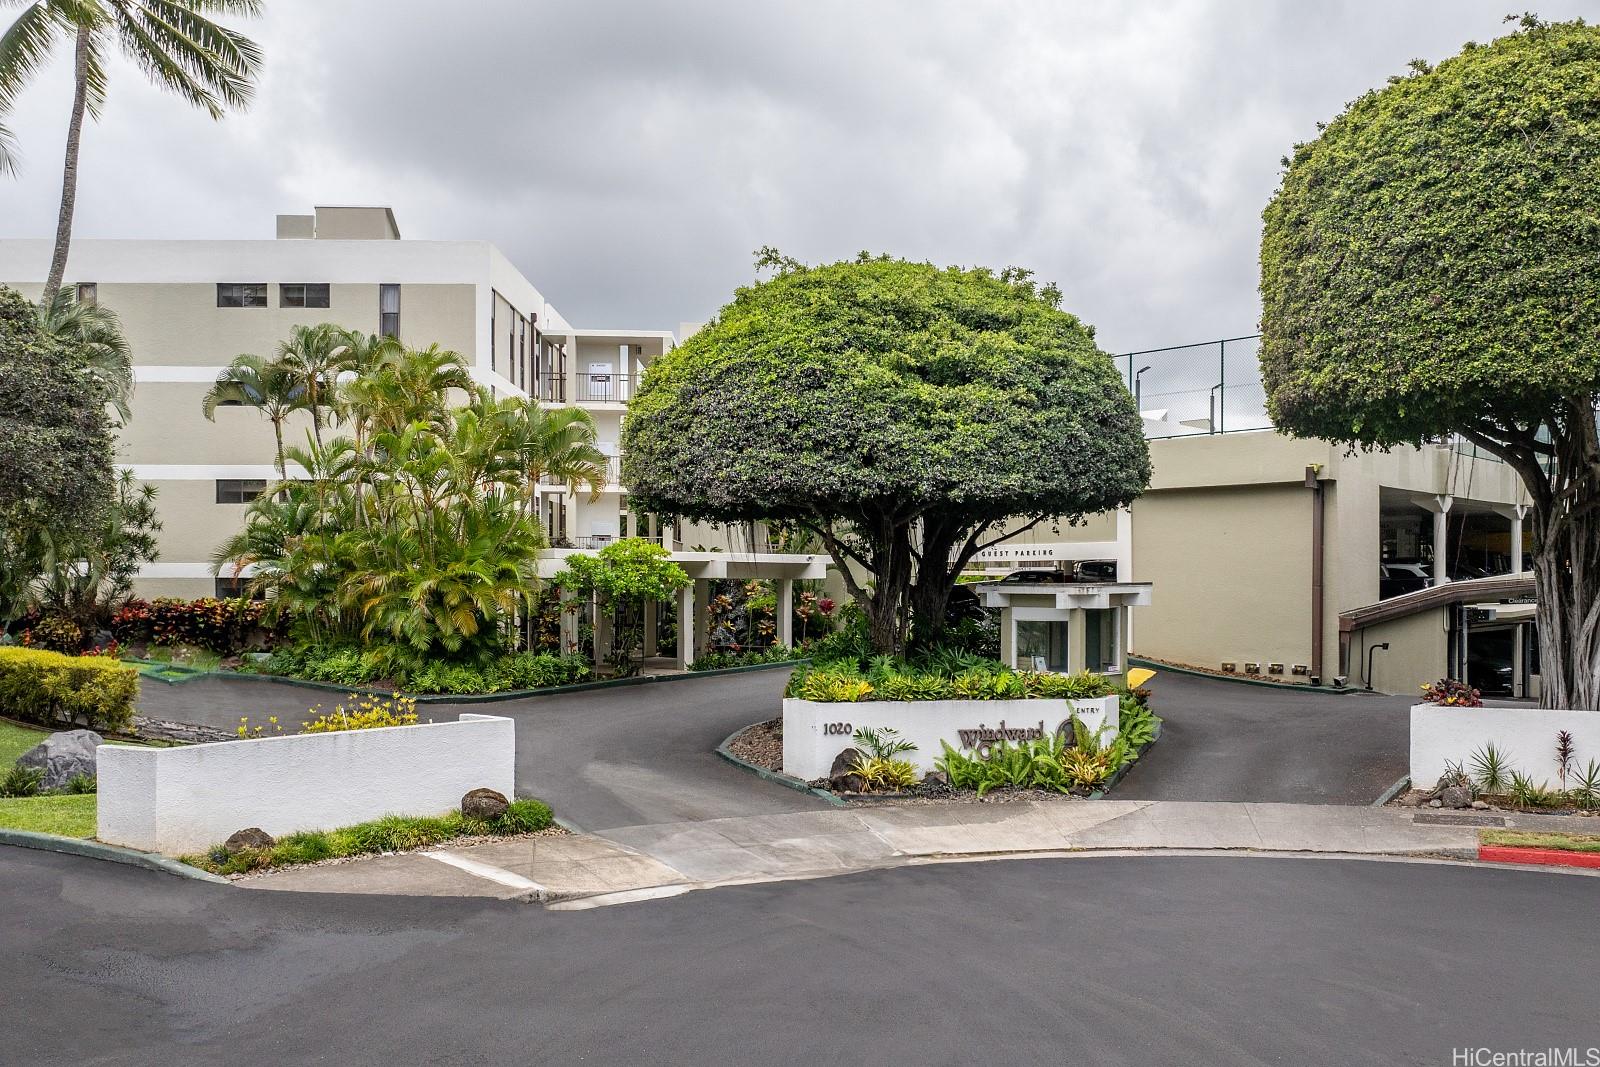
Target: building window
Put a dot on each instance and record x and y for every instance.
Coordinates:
(230, 588)
(88, 294)
(239, 490)
(303, 295)
(1041, 646)
(241, 294)
(389, 310)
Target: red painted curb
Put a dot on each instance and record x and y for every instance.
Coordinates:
(1544, 857)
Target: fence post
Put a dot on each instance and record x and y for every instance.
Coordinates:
(1222, 386)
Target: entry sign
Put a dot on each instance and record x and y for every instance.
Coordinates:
(600, 373)
(1481, 614)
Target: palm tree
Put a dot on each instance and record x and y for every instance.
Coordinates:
(315, 355)
(266, 385)
(172, 41)
(96, 332)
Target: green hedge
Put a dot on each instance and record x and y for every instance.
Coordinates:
(54, 689)
(844, 681)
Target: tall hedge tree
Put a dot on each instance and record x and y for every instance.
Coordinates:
(1431, 266)
(905, 413)
(56, 480)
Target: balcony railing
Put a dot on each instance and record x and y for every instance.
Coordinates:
(593, 388)
(594, 542)
(613, 474)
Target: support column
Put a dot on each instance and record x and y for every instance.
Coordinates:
(1440, 508)
(686, 624)
(702, 615)
(1518, 513)
(785, 612)
(649, 648)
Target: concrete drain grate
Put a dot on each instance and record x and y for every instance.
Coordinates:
(1440, 819)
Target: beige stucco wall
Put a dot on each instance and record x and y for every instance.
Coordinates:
(179, 324)
(183, 588)
(1231, 569)
(194, 525)
(168, 426)
(1419, 649)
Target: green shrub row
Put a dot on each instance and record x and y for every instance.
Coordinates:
(350, 666)
(53, 689)
(721, 661)
(392, 833)
(886, 678)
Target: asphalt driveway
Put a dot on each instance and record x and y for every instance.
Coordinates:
(1110, 960)
(603, 758)
(633, 755)
(1223, 740)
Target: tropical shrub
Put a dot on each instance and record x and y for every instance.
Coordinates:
(20, 781)
(1491, 772)
(392, 833)
(51, 688)
(1064, 764)
(881, 769)
(1136, 723)
(624, 571)
(721, 661)
(419, 531)
(1447, 692)
(941, 675)
(55, 634)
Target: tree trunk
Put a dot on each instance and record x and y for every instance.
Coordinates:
(69, 170)
(283, 468)
(1567, 569)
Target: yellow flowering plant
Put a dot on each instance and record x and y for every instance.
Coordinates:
(364, 713)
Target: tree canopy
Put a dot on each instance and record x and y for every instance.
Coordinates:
(1428, 268)
(55, 446)
(901, 410)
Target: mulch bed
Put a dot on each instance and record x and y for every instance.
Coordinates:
(761, 744)
(1417, 800)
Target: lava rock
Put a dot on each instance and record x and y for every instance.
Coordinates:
(842, 776)
(250, 839)
(63, 756)
(936, 779)
(1455, 796)
(1435, 803)
(1479, 805)
(484, 804)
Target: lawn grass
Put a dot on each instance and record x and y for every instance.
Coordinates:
(1530, 839)
(15, 739)
(69, 816)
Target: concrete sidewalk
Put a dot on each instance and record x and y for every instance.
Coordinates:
(670, 857)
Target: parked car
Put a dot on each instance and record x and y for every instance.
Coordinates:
(1397, 577)
(964, 604)
(1036, 576)
(1096, 570)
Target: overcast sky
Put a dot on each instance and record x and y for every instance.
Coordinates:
(629, 157)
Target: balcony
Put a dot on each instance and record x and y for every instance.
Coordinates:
(595, 542)
(613, 474)
(594, 388)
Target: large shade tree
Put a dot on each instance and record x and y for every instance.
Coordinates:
(909, 415)
(1428, 268)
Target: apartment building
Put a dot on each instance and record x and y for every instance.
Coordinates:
(189, 307)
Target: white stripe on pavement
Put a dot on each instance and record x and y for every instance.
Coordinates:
(487, 871)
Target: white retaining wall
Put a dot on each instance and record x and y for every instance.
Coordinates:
(183, 800)
(815, 733)
(1525, 736)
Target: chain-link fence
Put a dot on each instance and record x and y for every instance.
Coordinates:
(1211, 387)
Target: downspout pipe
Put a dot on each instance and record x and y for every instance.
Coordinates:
(1314, 483)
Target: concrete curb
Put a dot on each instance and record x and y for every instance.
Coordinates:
(1392, 792)
(1122, 771)
(1540, 857)
(98, 850)
(1157, 665)
(429, 699)
(785, 780)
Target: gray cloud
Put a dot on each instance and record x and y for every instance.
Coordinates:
(629, 157)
